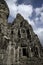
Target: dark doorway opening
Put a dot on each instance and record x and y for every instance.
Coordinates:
(19, 35)
(28, 34)
(24, 52)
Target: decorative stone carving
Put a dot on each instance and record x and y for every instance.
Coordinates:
(19, 45)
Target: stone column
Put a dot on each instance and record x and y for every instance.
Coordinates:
(18, 53)
(39, 52)
(9, 54)
(14, 56)
(30, 53)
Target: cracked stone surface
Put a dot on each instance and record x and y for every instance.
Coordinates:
(19, 45)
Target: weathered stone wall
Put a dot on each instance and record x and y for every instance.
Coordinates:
(19, 45)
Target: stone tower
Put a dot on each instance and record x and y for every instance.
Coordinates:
(19, 45)
(4, 12)
(24, 40)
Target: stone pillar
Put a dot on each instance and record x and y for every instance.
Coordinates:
(38, 52)
(30, 53)
(14, 56)
(3, 22)
(9, 54)
(18, 53)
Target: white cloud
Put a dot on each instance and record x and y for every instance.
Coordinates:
(12, 7)
(39, 32)
(38, 10)
(41, 18)
(10, 1)
(25, 10)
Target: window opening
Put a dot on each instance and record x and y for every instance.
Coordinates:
(21, 24)
(28, 34)
(19, 35)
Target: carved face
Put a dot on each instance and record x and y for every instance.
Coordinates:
(23, 33)
(4, 8)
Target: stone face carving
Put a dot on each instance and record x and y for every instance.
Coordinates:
(19, 45)
(4, 8)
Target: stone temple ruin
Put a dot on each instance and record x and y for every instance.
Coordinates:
(19, 45)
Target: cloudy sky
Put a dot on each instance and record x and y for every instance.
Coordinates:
(31, 10)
